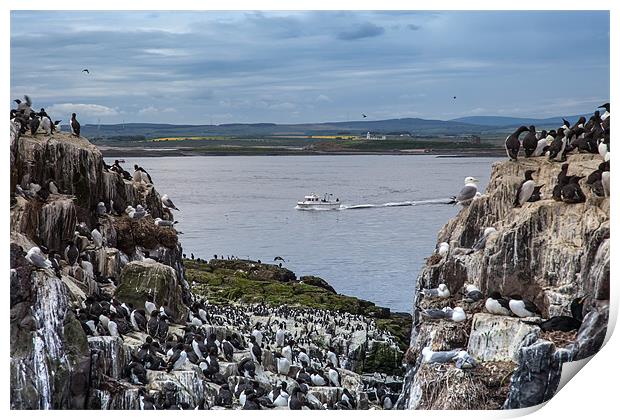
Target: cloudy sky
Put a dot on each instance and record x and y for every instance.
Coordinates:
(288, 67)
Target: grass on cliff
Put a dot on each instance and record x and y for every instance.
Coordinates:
(222, 286)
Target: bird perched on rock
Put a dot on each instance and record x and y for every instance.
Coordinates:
(468, 193)
(165, 223)
(441, 291)
(562, 180)
(481, 243)
(556, 150)
(563, 322)
(430, 356)
(530, 142)
(71, 253)
(34, 123)
(523, 308)
(513, 144)
(36, 257)
(525, 190)
(472, 293)
(571, 192)
(167, 202)
(255, 350)
(457, 314)
(178, 359)
(497, 305)
(536, 194)
(443, 249)
(74, 125)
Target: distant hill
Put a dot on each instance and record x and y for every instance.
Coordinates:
(416, 126)
(495, 121)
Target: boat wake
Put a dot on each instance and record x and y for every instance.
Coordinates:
(383, 205)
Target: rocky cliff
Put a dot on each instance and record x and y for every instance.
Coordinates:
(549, 252)
(60, 191)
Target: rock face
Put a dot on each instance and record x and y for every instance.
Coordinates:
(549, 252)
(51, 357)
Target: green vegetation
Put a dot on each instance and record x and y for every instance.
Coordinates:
(224, 282)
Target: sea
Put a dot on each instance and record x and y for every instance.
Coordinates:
(373, 247)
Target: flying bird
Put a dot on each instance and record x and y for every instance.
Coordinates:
(364, 115)
(86, 70)
(278, 258)
(454, 97)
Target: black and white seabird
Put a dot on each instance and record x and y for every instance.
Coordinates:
(563, 322)
(34, 123)
(606, 113)
(562, 180)
(513, 144)
(558, 145)
(178, 359)
(255, 350)
(536, 194)
(74, 125)
(523, 308)
(572, 193)
(530, 142)
(497, 305)
(525, 190)
(71, 253)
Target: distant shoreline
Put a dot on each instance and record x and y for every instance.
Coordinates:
(110, 152)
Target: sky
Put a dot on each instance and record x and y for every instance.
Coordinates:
(205, 67)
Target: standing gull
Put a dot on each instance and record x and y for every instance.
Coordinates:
(468, 192)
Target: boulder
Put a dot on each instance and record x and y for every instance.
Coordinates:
(316, 281)
(497, 338)
(154, 281)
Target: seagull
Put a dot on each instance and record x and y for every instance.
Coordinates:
(440, 291)
(468, 192)
(85, 71)
(166, 201)
(37, 258)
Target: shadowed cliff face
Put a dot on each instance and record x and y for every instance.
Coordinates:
(549, 252)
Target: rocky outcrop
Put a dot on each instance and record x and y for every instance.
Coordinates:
(158, 283)
(51, 357)
(549, 252)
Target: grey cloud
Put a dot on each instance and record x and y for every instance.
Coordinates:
(364, 30)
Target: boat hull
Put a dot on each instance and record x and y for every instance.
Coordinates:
(317, 206)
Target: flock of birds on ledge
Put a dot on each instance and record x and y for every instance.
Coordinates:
(585, 136)
(291, 336)
(581, 137)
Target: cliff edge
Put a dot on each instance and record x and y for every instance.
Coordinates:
(550, 252)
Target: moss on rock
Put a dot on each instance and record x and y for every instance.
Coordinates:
(154, 281)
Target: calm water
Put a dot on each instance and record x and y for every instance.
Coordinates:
(244, 206)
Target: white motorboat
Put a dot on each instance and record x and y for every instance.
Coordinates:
(315, 202)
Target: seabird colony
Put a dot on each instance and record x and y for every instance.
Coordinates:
(584, 136)
(294, 335)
